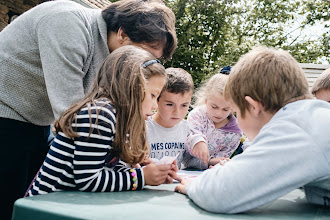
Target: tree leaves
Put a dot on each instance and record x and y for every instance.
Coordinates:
(212, 34)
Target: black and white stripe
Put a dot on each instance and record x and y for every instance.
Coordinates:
(79, 163)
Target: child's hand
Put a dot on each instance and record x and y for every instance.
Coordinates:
(220, 160)
(223, 160)
(201, 151)
(173, 175)
(181, 188)
(155, 175)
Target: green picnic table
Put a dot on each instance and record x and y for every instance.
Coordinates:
(154, 202)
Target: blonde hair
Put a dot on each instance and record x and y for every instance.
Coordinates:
(122, 80)
(271, 77)
(322, 82)
(213, 86)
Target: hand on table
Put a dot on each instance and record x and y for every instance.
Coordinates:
(181, 188)
(216, 160)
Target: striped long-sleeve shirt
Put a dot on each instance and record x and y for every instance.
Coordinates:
(86, 163)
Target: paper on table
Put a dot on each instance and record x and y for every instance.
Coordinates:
(187, 174)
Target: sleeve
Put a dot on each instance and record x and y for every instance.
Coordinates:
(232, 142)
(64, 44)
(196, 122)
(279, 160)
(194, 162)
(90, 171)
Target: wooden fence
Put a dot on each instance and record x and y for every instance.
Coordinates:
(312, 71)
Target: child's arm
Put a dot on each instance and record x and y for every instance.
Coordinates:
(89, 162)
(201, 151)
(196, 163)
(158, 174)
(265, 172)
(196, 141)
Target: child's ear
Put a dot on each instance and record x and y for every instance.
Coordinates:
(256, 107)
(122, 36)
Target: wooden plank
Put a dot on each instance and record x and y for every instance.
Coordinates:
(314, 66)
(312, 71)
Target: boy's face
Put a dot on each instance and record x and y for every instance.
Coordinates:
(250, 125)
(172, 108)
(323, 94)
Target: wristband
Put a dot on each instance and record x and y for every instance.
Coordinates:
(134, 178)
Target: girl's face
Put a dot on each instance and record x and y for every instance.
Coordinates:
(218, 109)
(153, 88)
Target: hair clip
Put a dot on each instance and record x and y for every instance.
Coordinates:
(148, 63)
(226, 70)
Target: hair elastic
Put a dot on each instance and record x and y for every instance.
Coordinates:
(148, 63)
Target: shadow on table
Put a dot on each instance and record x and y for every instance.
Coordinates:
(296, 208)
(101, 198)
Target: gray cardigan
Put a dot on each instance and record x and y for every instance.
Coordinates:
(48, 60)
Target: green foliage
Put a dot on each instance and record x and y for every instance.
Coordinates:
(213, 34)
(216, 33)
(202, 27)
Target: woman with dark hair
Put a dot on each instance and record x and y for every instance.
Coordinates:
(48, 60)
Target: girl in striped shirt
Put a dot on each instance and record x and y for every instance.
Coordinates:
(101, 138)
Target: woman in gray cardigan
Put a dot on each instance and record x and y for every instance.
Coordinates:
(48, 59)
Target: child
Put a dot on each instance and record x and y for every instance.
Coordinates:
(99, 134)
(167, 130)
(321, 86)
(289, 132)
(215, 134)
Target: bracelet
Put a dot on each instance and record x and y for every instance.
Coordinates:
(134, 178)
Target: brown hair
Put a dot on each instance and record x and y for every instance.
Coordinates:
(322, 82)
(122, 80)
(271, 77)
(212, 86)
(178, 81)
(144, 21)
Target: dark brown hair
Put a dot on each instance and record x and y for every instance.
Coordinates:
(144, 21)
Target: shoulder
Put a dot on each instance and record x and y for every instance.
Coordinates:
(184, 126)
(306, 119)
(151, 124)
(309, 111)
(198, 111)
(101, 109)
(64, 14)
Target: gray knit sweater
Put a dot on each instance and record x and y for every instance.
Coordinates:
(48, 60)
